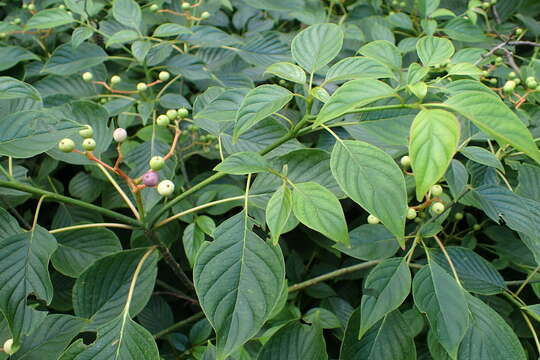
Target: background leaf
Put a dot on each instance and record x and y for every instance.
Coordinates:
(316, 46)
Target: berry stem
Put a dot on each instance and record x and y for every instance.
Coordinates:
(120, 191)
(114, 91)
(173, 146)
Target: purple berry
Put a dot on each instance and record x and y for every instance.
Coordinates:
(150, 178)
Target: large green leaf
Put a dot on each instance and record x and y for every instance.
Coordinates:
(264, 49)
(385, 289)
(434, 138)
(351, 95)
(434, 51)
(287, 71)
(316, 46)
(79, 249)
(258, 104)
(12, 55)
(383, 51)
(317, 208)
(490, 336)
(24, 260)
(278, 212)
(127, 12)
(357, 67)
(390, 338)
(371, 178)
(100, 303)
(66, 60)
(49, 18)
(494, 118)
(243, 163)
(8, 225)
(238, 278)
(442, 299)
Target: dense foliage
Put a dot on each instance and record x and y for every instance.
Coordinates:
(269, 179)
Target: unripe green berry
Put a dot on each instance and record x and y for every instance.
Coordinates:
(531, 82)
(509, 86)
(164, 76)
(486, 5)
(103, 100)
(31, 7)
(395, 3)
(16, 21)
(402, 4)
(115, 79)
(458, 216)
(436, 190)
(437, 208)
(87, 132)
(141, 87)
(163, 120)
(87, 76)
(25, 6)
(519, 31)
(154, 7)
(205, 15)
(411, 214)
(165, 188)
(493, 2)
(157, 163)
(405, 161)
(186, 5)
(373, 219)
(477, 227)
(498, 60)
(172, 114)
(3, 35)
(183, 113)
(120, 135)
(517, 81)
(493, 81)
(89, 144)
(512, 75)
(66, 145)
(61, 6)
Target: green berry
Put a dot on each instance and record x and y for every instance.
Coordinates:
(116, 80)
(87, 76)
(486, 5)
(531, 82)
(3, 35)
(411, 214)
(509, 86)
(31, 7)
(141, 87)
(25, 6)
(458, 216)
(493, 2)
(477, 227)
(183, 113)
(164, 76)
(512, 75)
(405, 161)
(395, 3)
(402, 4)
(436, 190)
(163, 120)
(172, 114)
(493, 81)
(103, 100)
(498, 60)
(517, 81)
(165, 188)
(519, 31)
(157, 163)
(66, 145)
(16, 21)
(87, 132)
(89, 144)
(205, 15)
(437, 208)
(61, 6)
(186, 5)
(154, 8)
(373, 219)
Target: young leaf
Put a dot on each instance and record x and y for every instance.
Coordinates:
(171, 29)
(258, 104)
(482, 156)
(127, 12)
(243, 163)
(317, 208)
(287, 71)
(372, 179)
(385, 289)
(192, 239)
(357, 67)
(351, 95)
(316, 46)
(433, 142)
(12, 55)
(278, 212)
(494, 118)
(434, 51)
(49, 18)
(442, 299)
(238, 278)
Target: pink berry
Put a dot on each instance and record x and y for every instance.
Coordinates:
(150, 178)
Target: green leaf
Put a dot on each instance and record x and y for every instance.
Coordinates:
(258, 104)
(371, 178)
(102, 303)
(385, 289)
(390, 338)
(427, 7)
(24, 260)
(8, 225)
(66, 60)
(238, 278)
(12, 55)
(465, 69)
(357, 67)
(434, 138)
(192, 239)
(127, 12)
(13, 89)
(442, 299)
(264, 49)
(490, 336)
(434, 51)
(494, 118)
(243, 163)
(73, 350)
(317, 208)
(121, 37)
(383, 51)
(171, 29)
(323, 317)
(49, 18)
(316, 46)
(50, 338)
(482, 156)
(79, 35)
(287, 71)
(370, 242)
(351, 95)
(278, 212)
(79, 249)
(295, 341)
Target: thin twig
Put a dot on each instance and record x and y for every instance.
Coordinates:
(93, 225)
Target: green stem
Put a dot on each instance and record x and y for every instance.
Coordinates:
(384, 107)
(179, 325)
(65, 199)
